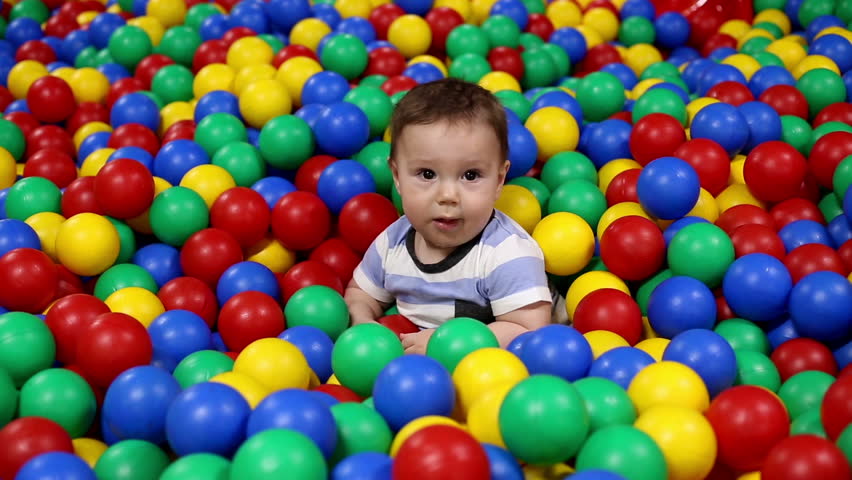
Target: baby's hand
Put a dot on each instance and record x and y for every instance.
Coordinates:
(416, 342)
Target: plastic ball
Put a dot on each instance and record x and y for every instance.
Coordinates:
(656, 135)
(136, 402)
(723, 124)
(264, 100)
(342, 129)
(176, 334)
(620, 365)
(31, 280)
(822, 296)
(672, 428)
(644, 242)
(456, 338)
(300, 220)
(713, 244)
(656, 192)
(87, 244)
(624, 450)
(29, 346)
(201, 366)
(802, 354)
(59, 395)
(219, 432)
(555, 232)
(611, 310)
(800, 456)
(50, 99)
(351, 365)
(458, 455)
(403, 382)
(360, 429)
(162, 262)
(668, 383)
(696, 348)
(681, 303)
(266, 316)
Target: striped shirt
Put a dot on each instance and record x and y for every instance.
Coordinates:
(500, 270)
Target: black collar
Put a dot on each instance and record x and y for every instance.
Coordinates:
(451, 260)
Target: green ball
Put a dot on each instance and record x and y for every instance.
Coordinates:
(539, 69)
(375, 103)
(624, 450)
(456, 338)
(543, 420)
(844, 442)
(702, 251)
(600, 94)
(369, 402)
(8, 398)
(470, 67)
(581, 198)
(808, 423)
(32, 195)
(126, 238)
(154, 97)
(811, 9)
(467, 38)
(797, 132)
(26, 346)
(643, 295)
(34, 9)
(375, 80)
(180, 43)
(279, 453)
(359, 429)
(3, 26)
(571, 83)
(124, 275)
(360, 354)
(243, 161)
(660, 100)
(62, 396)
(374, 156)
(176, 214)
(103, 57)
(345, 54)
(606, 403)
(86, 57)
(770, 27)
(198, 466)
(636, 30)
(566, 166)
(766, 59)
(754, 368)
(821, 88)
(200, 366)
(285, 142)
(12, 138)
(132, 460)
(272, 41)
(561, 60)
(761, 5)
(128, 45)
(514, 101)
(804, 391)
(531, 41)
(396, 97)
(126, 5)
(536, 186)
(660, 70)
(534, 6)
(502, 31)
(844, 12)
(396, 198)
(743, 335)
(219, 129)
(318, 306)
(755, 45)
(173, 83)
(196, 15)
(829, 127)
(830, 207)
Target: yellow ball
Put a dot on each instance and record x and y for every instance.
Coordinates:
(294, 73)
(613, 213)
(264, 100)
(431, 60)
(270, 253)
(655, 347)
(603, 341)
(603, 21)
(410, 34)
(758, 32)
(89, 449)
(735, 28)
(249, 51)
(87, 244)
(592, 37)
(332, 380)
(555, 130)
(168, 12)
(668, 384)
(274, 363)
(588, 283)
(773, 15)
(480, 10)
(216, 76)
(142, 223)
(643, 86)
(252, 73)
(750, 476)
(139, 303)
(64, 73)
(95, 161)
(497, 80)
(416, 425)
(695, 106)
(567, 242)
(151, 26)
(309, 32)
(706, 207)
(483, 417)
(353, 8)
(642, 55)
(484, 369)
(89, 85)
(24, 74)
(686, 438)
(746, 64)
(737, 175)
(87, 129)
(8, 169)
(461, 6)
(520, 205)
(46, 226)
(209, 181)
(736, 194)
(86, 17)
(835, 31)
(611, 170)
(251, 390)
(175, 112)
(564, 13)
(788, 50)
(812, 62)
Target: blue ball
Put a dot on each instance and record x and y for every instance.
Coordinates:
(819, 24)
(297, 410)
(413, 386)
(23, 29)
(17, 234)
(6, 65)
(557, 350)
(625, 75)
(716, 74)
(364, 466)
(249, 14)
(764, 123)
(834, 47)
(134, 153)
(672, 29)
(272, 189)
(781, 333)
(342, 129)
(160, 260)
(136, 403)
(843, 355)
(572, 41)
(596, 474)
(416, 7)
(135, 108)
(516, 346)
(677, 225)
(359, 27)
(722, 123)
(379, 44)
(56, 466)
(668, 188)
(283, 14)
(840, 230)
(178, 157)
(3, 194)
(514, 9)
(245, 276)
(113, 71)
(802, 232)
(756, 287)
(561, 100)
(73, 44)
(687, 54)
(638, 8)
(19, 105)
(217, 101)
(523, 150)
(140, 7)
(821, 307)
(606, 141)
(502, 463)
(328, 14)
(341, 181)
(103, 26)
(178, 333)
(681, 303)
(620, 365)
(311, 113)
(217, 343)
(693, 71)
(207, 418)
(721, 53)
(325, 87)
(423, 72)
(315, 345)
(769, 76)
(709, 354)
(92, 143)
(214, 27)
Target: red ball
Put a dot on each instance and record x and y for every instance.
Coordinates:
(27, 437)
(802, 354)
(827, 153)
(237, 33)
(623, 187)
(338, 256)
(121, 88)
(291, 51)
(813, 257)
(656, 135)
(507, 59)
(35, 50)
(453, 454)
(363, 218)
(208, 253)
(612, 310)
(68, 317)
(249, 316)
(54, 165)
(29, 280)
(50, 99)
(24, 120)
(189, 293)
(385, 61)
(339, 392)
(805, 457)
(442, 21)
(243, 213)
(774, 171)
(633, 248)
(845, 252)
(76, 8)
(211, 51)
(307, 176)
(795, 209)
(60, 25)
(398, 83)
(713, 40)
(539, 25)
(723, 310)
(836, 112)
(300, 220)
(135, 135)
(79, 197)
(68, 283)
(757, 238)
(598, 57)
(86, 112)
(149, 66)
(748, 422)
(124, 188)
(710, 161)
(745, 214)
(836, 408)
(399, 324)
(305, 274)
(786, 100)
(50, 136)
(183, 129)
(6, 97)
(111, 344)
(383, 16)
(731, 92)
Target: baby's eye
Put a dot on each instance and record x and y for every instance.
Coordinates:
(426, 174)
(471, 175)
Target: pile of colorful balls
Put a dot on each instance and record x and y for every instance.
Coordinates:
(187, 186)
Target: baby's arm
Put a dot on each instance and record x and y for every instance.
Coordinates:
(362, 307)
(531, 317)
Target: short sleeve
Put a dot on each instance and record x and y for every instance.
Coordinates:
(370, 273)
(515, 276)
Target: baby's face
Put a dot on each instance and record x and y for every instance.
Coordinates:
(449, 177)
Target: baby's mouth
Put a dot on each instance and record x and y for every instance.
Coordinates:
(446, 223)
